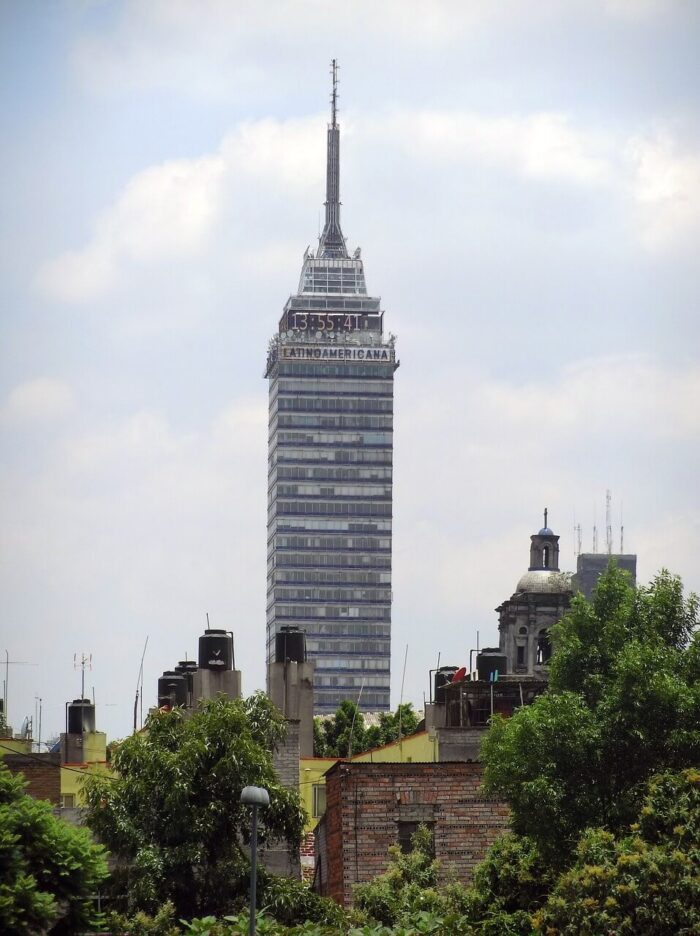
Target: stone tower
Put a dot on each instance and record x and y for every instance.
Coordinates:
(540, 599)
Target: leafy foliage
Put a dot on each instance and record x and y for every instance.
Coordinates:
(48, 869)
(407, 887)
(644, 884)
(623, 703)
(173, 814)
(333, 736)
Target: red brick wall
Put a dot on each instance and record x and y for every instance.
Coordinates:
(365, 802)
(42, 771)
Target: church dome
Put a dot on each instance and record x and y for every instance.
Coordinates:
(543, 581)
(545, 531)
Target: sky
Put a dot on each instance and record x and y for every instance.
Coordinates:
(524, 181)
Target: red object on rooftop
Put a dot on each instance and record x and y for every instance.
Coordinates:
(460, 674)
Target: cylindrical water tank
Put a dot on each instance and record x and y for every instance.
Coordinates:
(81, 716)
(290, 644)
(216, 650)
(442, 677)
(490, 660)
(172, 689)
(187, 668)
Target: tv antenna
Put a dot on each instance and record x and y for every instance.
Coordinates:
(608, 523)
(85, 662)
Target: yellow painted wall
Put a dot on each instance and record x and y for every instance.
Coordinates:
(94, 761)
(15, 745)
(311, 771)
(418, 748)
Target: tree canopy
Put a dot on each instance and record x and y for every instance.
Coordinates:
(172, 812)
(333, 736)
(623, 703)
(589, 762)
(48, 869)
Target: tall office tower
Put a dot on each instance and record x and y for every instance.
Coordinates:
(331, 379)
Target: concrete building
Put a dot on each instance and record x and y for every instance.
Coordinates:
(590, 566)
(331, 388)
(541, 597)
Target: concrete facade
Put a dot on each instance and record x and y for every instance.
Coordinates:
(590, 566)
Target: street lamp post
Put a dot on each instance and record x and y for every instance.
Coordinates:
(254, 796)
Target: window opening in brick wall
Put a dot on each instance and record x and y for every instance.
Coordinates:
(319, 800)
(68, 800)
(406, 831)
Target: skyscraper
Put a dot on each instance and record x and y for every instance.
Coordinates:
(331, 382)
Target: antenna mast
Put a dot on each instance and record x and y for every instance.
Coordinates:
(608, 523)
(334, 92)
(84, 661)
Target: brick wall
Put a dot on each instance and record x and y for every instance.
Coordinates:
(366, 802)
(42, 771)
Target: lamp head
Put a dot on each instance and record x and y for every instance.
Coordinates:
(255, 796)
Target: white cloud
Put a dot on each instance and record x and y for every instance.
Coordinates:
(666, 189)
(37, 401)
(545, 145)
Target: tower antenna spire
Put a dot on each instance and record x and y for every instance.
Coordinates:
(332, 242)
(334, 93)
(545, 517)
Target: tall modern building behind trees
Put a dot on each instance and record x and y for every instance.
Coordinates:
(331, 383)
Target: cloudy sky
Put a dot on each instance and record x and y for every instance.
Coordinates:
(524, 180)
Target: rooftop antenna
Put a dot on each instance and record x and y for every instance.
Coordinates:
(622, 532)
(352, 726)
(608, 523)
(139, 687)
(85, 662)
(595, 529)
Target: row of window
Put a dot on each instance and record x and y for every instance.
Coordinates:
(339, 456)
(302, 561)
(338, 421)
(365, 543)
(333, 508)
(333, 438)
(299, 524)
(309, 612)
(335, 404)
(338, 490)
(282, 593)
(356, 665)
(328, 700)
(383, 388)
(363, 647)
(296, 472)
(335, 369)
(370, 682)
(320, 576)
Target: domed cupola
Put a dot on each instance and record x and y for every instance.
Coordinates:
(543, 574)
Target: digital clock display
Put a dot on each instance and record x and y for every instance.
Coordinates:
(331, 321)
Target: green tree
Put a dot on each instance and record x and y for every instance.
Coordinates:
(643, 884)
(172, 813)
(48, 869)
(623, 703)
(344, 730)
(332, 735)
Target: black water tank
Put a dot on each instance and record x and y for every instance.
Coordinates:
(187, 668)
(489, 660)
(290, 644)
(172, 689)
(216, 650)
(442, 678)
(81, 716)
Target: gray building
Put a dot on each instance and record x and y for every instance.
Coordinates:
(331, 394)
(590, 566)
